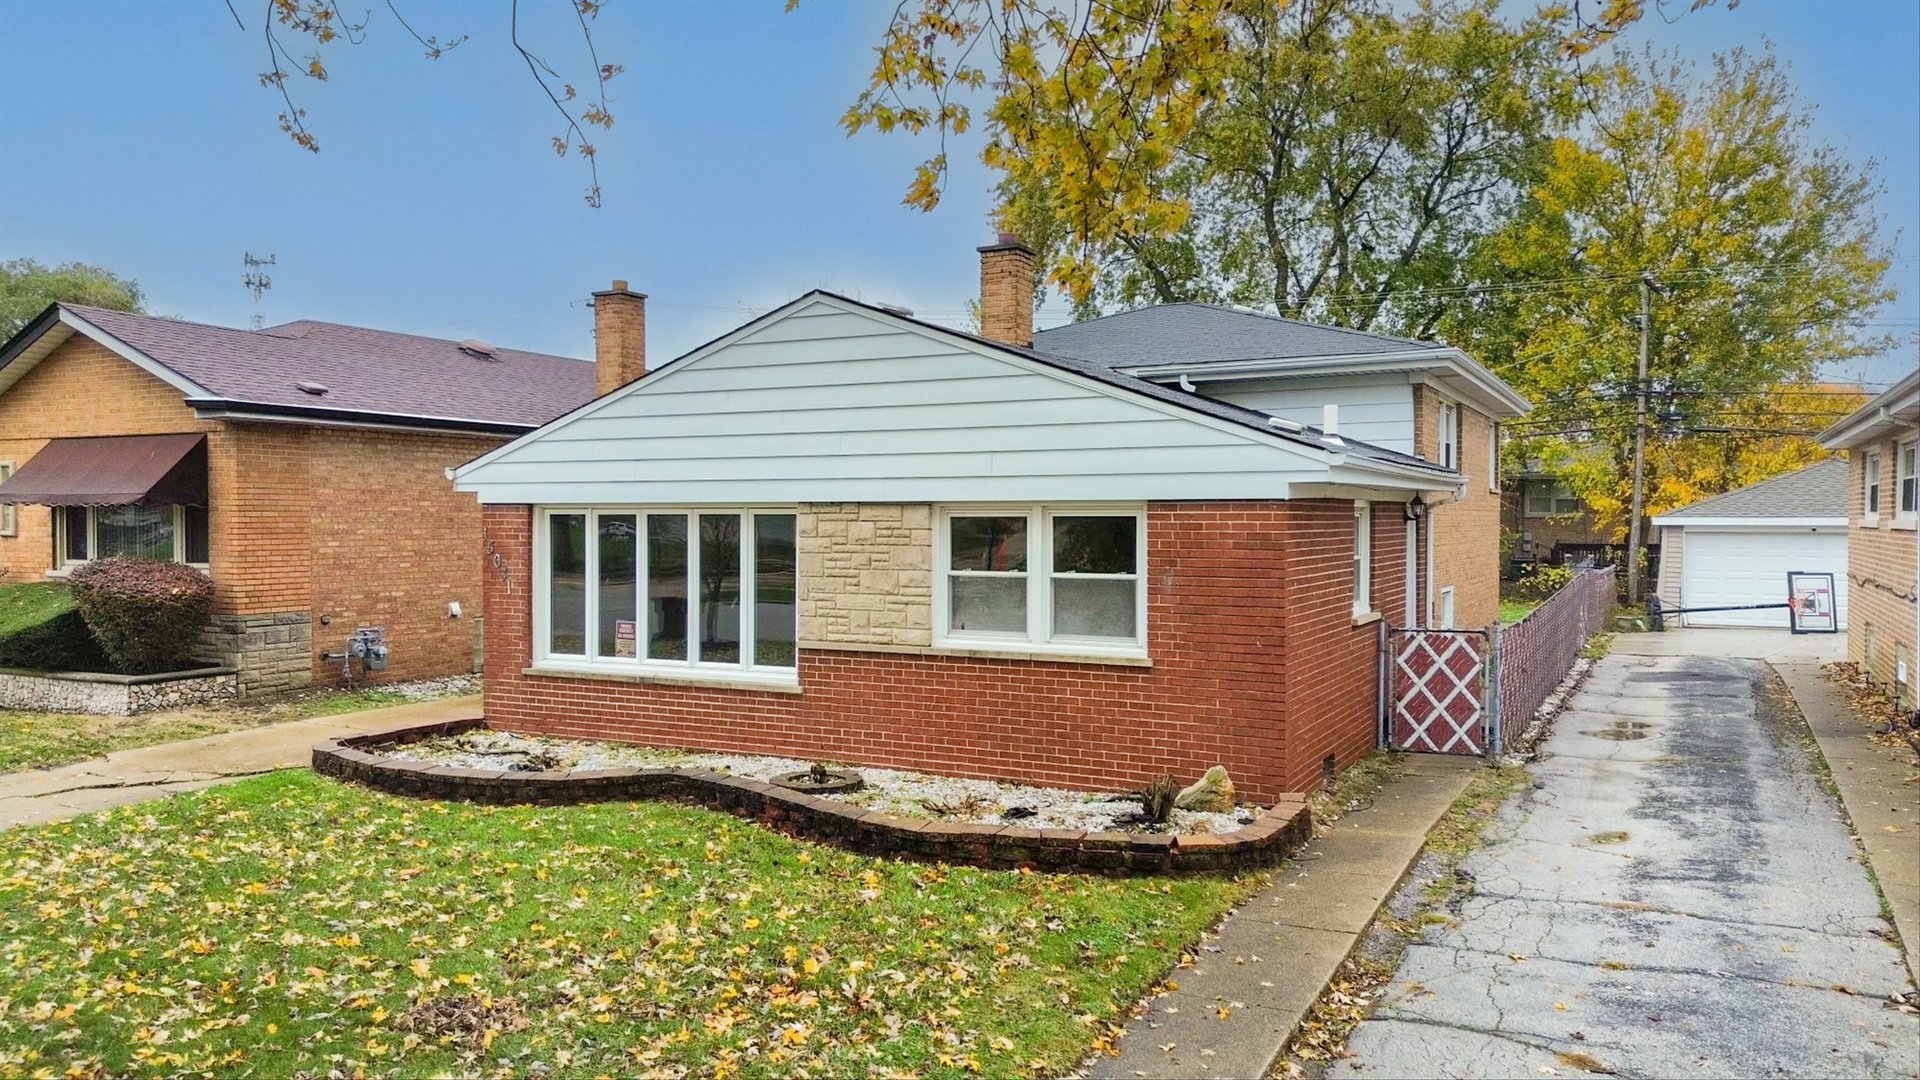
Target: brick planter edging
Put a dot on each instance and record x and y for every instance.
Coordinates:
(1279, 830)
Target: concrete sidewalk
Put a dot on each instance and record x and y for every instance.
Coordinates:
(1270, 959)
(1879, 791)
(153, 772)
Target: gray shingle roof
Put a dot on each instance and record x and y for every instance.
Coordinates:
(1208, 333)
(364, 370)
(1817, 491)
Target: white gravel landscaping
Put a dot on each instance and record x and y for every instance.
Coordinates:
(893, 791)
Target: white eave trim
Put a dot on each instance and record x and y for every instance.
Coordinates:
(1877, 419)
(1445, 358)
(1669, 521)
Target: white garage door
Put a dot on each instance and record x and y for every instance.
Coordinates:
(1721, 569)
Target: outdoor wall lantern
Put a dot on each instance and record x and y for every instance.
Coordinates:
(1416, 508)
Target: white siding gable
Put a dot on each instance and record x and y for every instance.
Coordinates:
(830, 402)
(1377, 409)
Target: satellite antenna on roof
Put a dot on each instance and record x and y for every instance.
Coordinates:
(257, 280)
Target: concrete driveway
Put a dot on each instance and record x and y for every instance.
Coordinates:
(1677, 897)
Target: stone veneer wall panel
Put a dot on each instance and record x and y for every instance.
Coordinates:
(866, 574)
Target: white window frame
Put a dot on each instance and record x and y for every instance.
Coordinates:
(1870, 492)
(1906, 475)
(1529, 486)
(692, 668)
(1449, 434)
(65, 565)
(1039, 638)
(1362, 559)
(9, 514)
(1445, 620)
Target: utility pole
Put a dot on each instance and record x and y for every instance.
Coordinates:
(1639, 443)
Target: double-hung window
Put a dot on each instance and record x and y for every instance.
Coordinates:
(1362, 559)
(1870, 497)
(1550, 498)
(1449, 435)
(9, 521)
(168, 533)
(673, 592)
(1907, 459)
(1045, 579)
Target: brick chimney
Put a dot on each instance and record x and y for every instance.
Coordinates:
(1006, 291)
(619, 337)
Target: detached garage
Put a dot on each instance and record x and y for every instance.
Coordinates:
(1737, 549)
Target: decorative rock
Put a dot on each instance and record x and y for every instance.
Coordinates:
(1212, 792)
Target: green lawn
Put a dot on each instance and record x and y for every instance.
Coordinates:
(293, 925)
(31, 604)
(31, 740)
(1513, 609)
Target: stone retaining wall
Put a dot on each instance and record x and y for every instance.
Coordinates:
(274, 652)
(115, 695)
(1279, 830)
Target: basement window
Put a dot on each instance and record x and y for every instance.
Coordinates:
(670, 592)
(168, 533)
(1042, 579)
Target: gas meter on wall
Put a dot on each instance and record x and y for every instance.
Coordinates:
(369, 646)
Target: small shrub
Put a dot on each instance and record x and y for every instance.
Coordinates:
(42, 630)
(1542, 580)
(145, 614)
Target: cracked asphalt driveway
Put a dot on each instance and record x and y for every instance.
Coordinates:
(1676, 897)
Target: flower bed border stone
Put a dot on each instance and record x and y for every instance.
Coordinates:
(1279, 830)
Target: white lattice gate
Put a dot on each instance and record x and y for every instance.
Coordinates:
(1437, 690)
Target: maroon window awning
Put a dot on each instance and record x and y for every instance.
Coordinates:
(113, 470)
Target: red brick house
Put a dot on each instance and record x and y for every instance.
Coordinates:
(1882, 441)
(840, 532)
(302, 466)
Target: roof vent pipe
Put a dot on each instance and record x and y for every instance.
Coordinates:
(1330, 419)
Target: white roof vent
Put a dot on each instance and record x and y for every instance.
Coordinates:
(1285, 424)
(896, 309)
(476, 347)
(314, 388)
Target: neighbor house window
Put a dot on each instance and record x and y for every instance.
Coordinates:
(669, 592)
(1043, 579)
(168, 533)
(1449, 435)
(9, 522)
(1362, 558)
(1872, 494)
(1493, 458)
(1550, 498)
(1908, 478)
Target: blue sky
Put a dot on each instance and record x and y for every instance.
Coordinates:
(137, 137)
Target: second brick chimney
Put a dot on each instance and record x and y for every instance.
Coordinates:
(1006, 291)
(619, 337)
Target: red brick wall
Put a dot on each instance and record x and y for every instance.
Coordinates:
(392, 544)
(1257, 665)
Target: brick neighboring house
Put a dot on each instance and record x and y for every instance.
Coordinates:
(1882, 441)
(839, 532)
(303, 466)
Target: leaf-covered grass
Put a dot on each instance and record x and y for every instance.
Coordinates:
(287, 925)
(42, 740)
(31, 740)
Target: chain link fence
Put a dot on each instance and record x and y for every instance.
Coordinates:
(1532, 656)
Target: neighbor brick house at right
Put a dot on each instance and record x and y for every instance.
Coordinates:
(1882, 441)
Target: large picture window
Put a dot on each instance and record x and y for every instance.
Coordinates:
(1060, 579)
(168, 533)
(668, 591)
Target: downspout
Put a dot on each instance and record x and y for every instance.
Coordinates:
(1427, 523)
